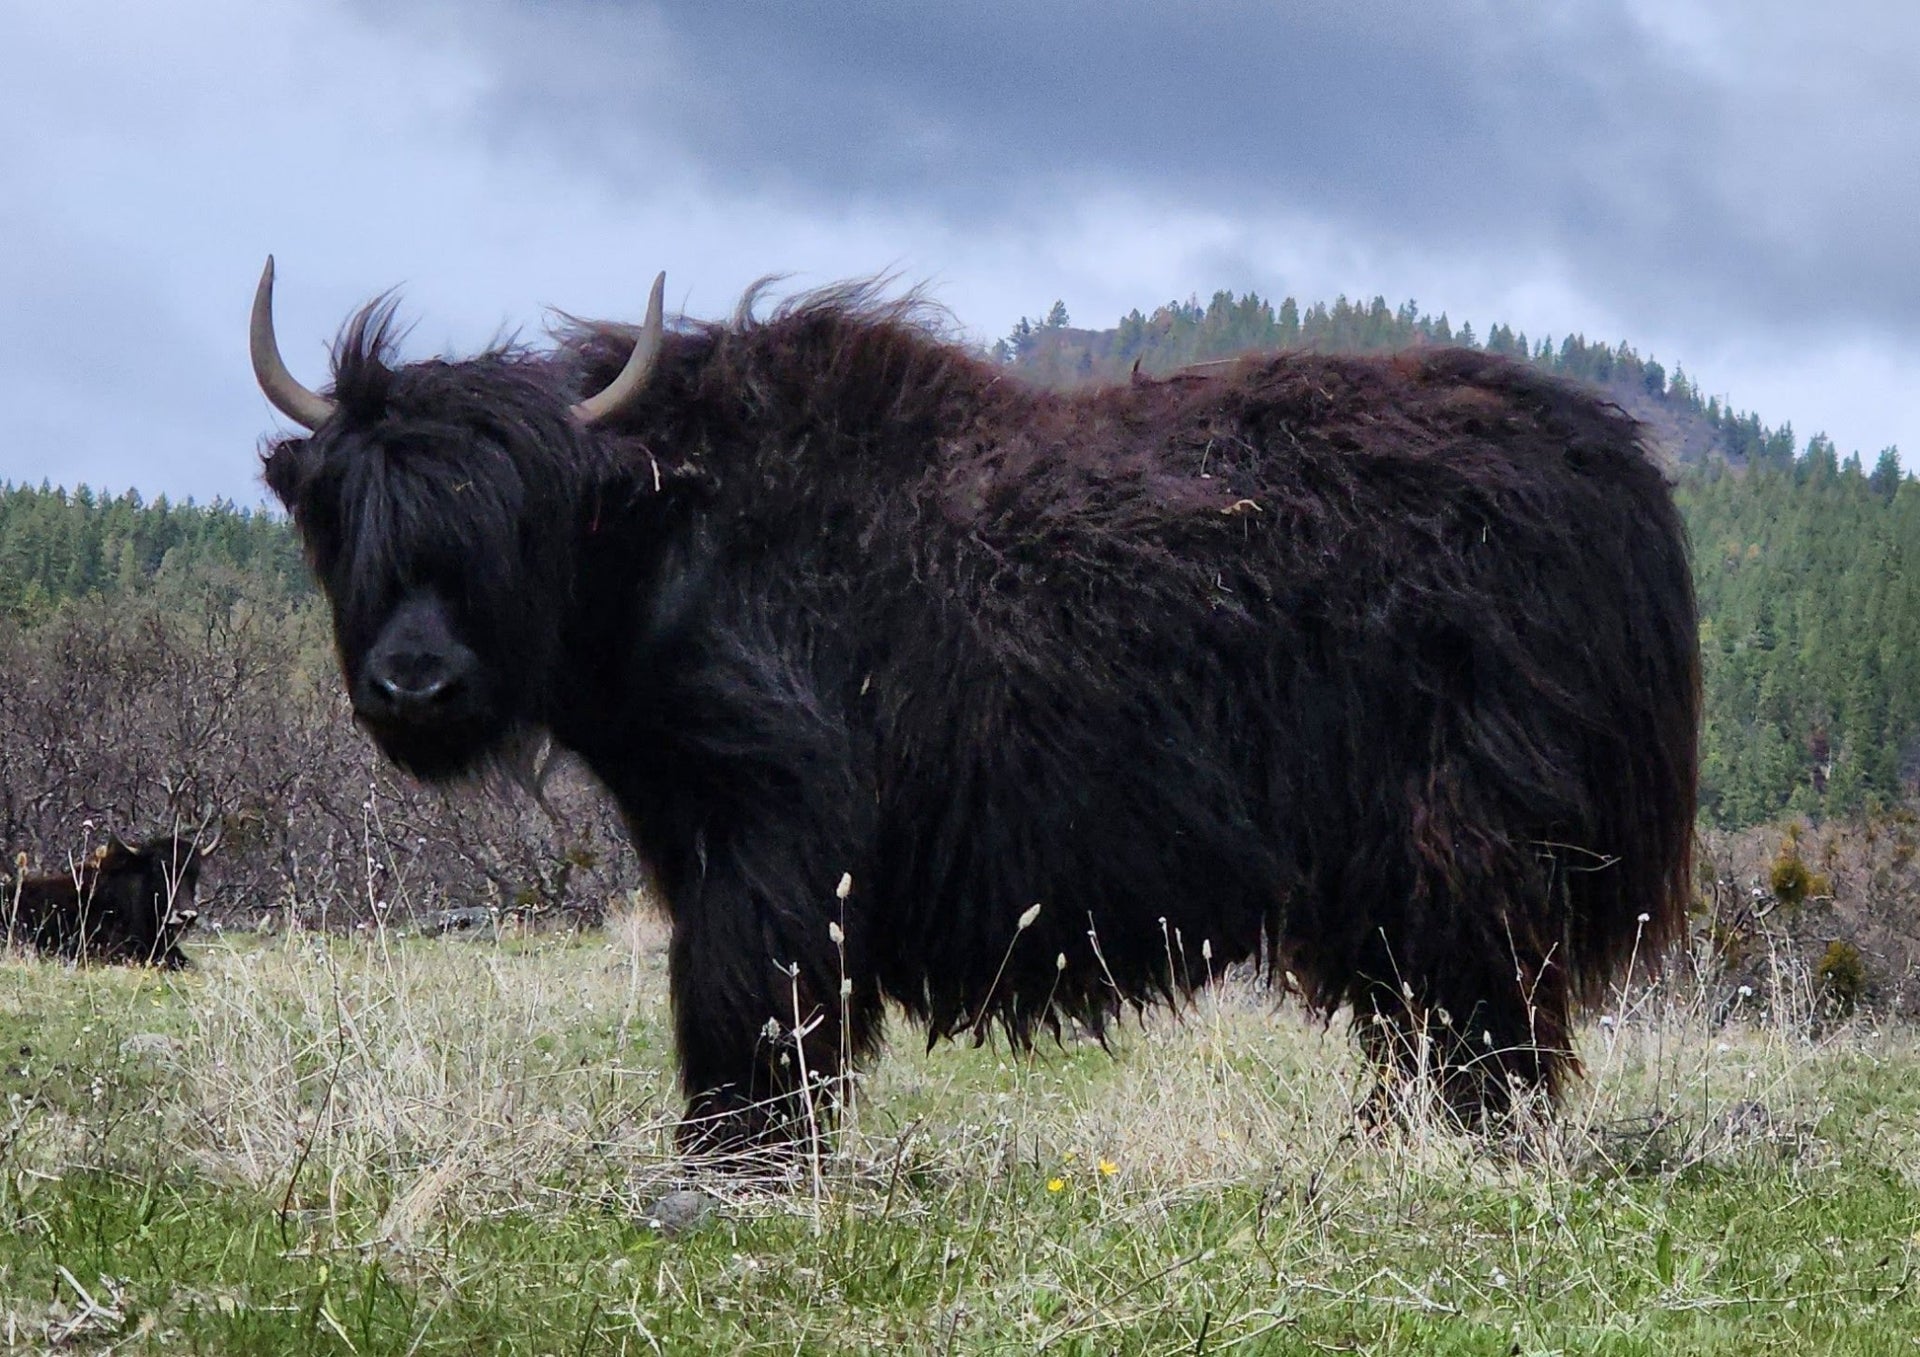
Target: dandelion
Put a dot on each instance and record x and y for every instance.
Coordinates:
(1056, 1184)
(1746, 991)
(1108, 1168)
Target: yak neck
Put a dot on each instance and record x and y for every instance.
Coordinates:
(835, 381)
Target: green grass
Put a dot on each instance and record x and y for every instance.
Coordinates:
(438, 1147)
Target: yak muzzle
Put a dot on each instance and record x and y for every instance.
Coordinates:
(418, 675)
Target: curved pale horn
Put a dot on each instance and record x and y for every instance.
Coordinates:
(288, 396)
(633, 377)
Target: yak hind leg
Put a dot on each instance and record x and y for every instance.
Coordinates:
(1473, 1039)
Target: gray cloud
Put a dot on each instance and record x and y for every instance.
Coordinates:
(1731, 160)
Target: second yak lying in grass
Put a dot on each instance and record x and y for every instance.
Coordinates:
(121, 903)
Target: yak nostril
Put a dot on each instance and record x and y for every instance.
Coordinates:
(415, 680)
(414, 690)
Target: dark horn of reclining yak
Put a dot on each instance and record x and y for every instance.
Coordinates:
(128, 903)
(1379, 671)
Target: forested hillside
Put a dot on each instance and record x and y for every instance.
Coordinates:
(1809, 585)
(1808, 565)
(58, 545)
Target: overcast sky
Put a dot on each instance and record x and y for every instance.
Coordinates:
(1730, 185)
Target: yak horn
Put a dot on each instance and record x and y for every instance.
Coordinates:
(288, 396)
(633, 377)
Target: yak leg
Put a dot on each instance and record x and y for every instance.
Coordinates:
(763, 1027)
(1476, 1022)
(1472, 1043)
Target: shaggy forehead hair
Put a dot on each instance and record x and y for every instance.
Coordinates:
(433, 472)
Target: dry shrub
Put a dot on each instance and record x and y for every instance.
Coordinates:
(207, 702)
(1760, 895)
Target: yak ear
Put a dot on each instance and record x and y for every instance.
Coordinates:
(287, 467)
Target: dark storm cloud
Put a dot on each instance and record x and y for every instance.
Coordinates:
(1734, 161)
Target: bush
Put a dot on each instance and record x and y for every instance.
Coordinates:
(1842, 977)
(216, 701)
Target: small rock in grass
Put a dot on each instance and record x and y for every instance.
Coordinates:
(678, 1211)
(151, 1046)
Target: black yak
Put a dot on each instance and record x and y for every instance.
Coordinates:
(122, 902)
(1380, 671)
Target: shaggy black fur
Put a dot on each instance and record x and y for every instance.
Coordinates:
(127, 903)
(1379, 670)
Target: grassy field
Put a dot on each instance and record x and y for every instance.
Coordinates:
(388, 1146)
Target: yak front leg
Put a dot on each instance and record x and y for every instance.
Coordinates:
(769, 1007)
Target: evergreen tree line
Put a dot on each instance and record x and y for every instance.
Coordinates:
(1809, 583)
(56, 544)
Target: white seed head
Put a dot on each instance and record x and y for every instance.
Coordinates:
(833, 931)
(1645, 918)
(1206, 949)
(1026, 920)
(1060, 962)
(845, 888)
(1487, 1038)
(846, 988)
